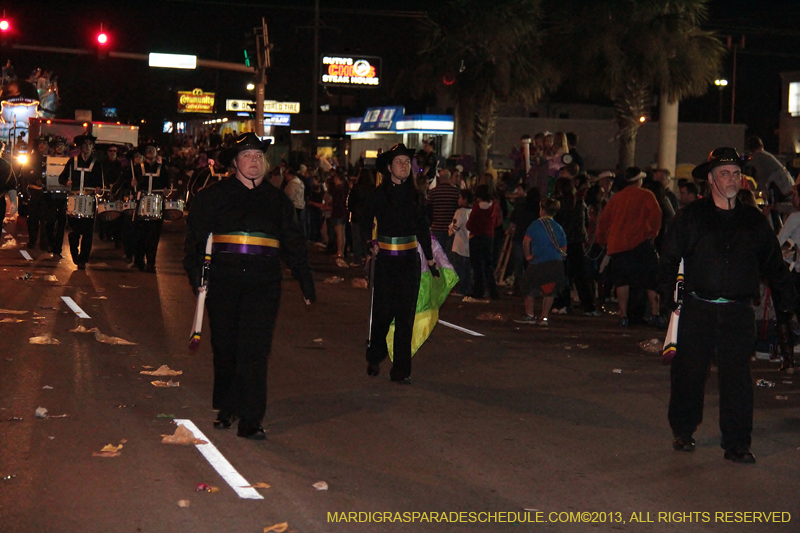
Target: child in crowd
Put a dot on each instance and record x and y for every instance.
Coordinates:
(483, 220)
(458, 229)
(544, 246)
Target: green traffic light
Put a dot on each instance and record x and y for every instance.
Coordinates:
(246, 59)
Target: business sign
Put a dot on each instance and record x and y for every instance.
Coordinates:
(271, 119)
(381, 118)
(362, 72)
(195, 101)
(270, 106)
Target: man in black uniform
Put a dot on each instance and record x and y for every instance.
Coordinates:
(727, 248)
(80, 173)
(113, 175)
(8, 182)
(149, 176)
(399, 209)
(252, 223)
(34, 177)
(57, 206)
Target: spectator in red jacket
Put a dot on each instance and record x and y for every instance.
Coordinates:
(483, 220)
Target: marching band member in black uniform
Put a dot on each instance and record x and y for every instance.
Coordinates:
(149, 175)
(57, 206)
(81, 172)
(252, 223)
(402, 221)
(34, 177)
(112, 173)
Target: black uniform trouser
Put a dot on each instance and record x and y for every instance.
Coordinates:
(37, 214)
(147, 235)
(242, 308)
(128, 234)
(56, 222)
(726, 334)
(81, 233)
(480, 255)
(396, 291)
(575, 266)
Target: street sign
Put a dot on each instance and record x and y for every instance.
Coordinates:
(270, 106)
(172, 61)
(272, 119)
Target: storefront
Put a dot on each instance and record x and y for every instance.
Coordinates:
(382, 127)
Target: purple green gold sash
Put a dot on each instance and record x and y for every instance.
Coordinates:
(245, 243)
(396, 246)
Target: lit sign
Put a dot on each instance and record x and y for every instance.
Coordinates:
(381, 118)
(277, 120)
(172, 61)
(195, 102)
(349, 71)
(794, 99)
(270, 106)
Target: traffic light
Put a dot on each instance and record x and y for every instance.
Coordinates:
(101, 42)
(5, 25)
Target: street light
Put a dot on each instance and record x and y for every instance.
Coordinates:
(251, 86)
(721, 83)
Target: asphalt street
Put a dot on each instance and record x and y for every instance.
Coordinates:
(565, 425)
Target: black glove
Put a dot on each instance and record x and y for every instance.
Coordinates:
(434, 270)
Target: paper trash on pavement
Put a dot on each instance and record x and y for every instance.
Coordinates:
(41, 412)
(333, 279)
(165, 384)
(277, 528)
(182, 435)
(109, 450)
(490, 316)
(359, 283)
(102, 337)
(652, 346)
(617, 371)
(12, 312)
(43, 339)
(9, 320)
(184, 503)
(50, 277)
(99, 298)
(320, 485)
(163, 370)
(259, 485)
(764, 383)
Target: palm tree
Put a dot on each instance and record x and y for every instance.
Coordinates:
(482, 53)
(630, 50)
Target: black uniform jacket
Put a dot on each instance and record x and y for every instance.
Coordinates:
(726, 254)
(72, 171)
(398, 214)
(232, 207)
(160, 180)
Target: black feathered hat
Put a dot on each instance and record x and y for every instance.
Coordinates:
(717, 158)
(245, 141)
(80, 139)
(385, 159)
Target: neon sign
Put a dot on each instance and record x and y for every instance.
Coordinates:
(351, 71)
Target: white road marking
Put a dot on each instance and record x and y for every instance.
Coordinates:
(459, 328)
(75, 307)
(233, 478)
(26, 255)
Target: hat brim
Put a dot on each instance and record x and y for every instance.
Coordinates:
(227, 155)
(385, 159)
(700, 172)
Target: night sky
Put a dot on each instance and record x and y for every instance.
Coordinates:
(216, 30)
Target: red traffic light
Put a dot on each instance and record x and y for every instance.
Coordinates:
(5, 25)
(102, 38)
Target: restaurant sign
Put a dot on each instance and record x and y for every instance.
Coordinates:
(351, 71)
(195, 101)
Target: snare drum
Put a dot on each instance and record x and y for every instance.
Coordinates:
(128, 206)
(108, 210)
(173, 209)
(80, 205)
(151, 207)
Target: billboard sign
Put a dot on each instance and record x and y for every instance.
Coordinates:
(195, 101)
(381, 118)
(361, 72)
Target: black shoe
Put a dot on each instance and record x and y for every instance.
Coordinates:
(251, 431)
(682, 444)
(402, 381)
(373, 370)
(224, 420)
(81, 266)
(31, 245)
(151, 269)
(740, 455)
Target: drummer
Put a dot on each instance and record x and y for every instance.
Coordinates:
(82, 172)
(34, 177)
(149, 178)
(112, 173)
(56, 205)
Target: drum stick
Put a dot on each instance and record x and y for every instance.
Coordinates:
(202, 290)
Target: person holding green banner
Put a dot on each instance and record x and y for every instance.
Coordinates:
(400, 228)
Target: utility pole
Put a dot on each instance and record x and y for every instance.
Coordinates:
(314, 83)
(263, 47)
(735, 47)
